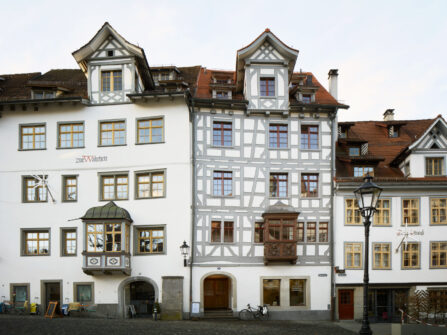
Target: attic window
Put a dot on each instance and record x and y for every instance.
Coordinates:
(307, 98)
(111, 81)
(342, 132)
(164, 76)
(110, 53)
(222, 95)
(44, 95)
(354, 151)
(267, 87)
(393, 132)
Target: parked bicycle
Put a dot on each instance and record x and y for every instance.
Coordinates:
(250, 313)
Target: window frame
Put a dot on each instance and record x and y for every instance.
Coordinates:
(115, 175)
(416, 267)
(325, 229)
(267, 80)
(25, 190)
(222, 231)
(354, 147)
(278, 133)
(355, 209)
(439, 251)
(23, 240)
(222, 134)
(441, 223)
(75, 291)
(33, 125)
(70, 123)
(308, 135)
(111, 80)
(150, 173)
(136, 239)
(301, 230)
(433, 158)
(381, 252)
(258, 227)
(64, 187)
(310, 228)
(345, 252)
(410, 208)
(364, 173)
(284, 293)
(222, 184)
(379, 210)
(101, 122)
(63, 240)
(150, 119)
(308, 194)
(12, 287)
(277, 193)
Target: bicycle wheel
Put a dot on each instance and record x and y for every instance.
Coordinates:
(264, 316)
(245, 314)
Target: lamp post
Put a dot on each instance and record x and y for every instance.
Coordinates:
(367, 196)
(184, 249)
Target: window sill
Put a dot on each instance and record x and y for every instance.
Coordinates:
(113, 199)
(380, 269)
(280, 198)
(268, 97)
(310, 150)
(355, 269)
(144, 143)
(150, 254)
(309, 198)
(438, 224)
(35, 202)
(285, 149)
(69, 201)
(31, 149)
(222, 243)
(223, 196)
(63, 148)
(111, 145)
(69, 255)
(418, 268)
(222, 146)
(26, 255)
(381, 225)
(151, 198)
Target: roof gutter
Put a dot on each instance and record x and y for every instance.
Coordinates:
(43, 101)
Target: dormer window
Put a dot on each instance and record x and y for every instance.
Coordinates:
(267, 87)
(354, 151)
(434, 166)
(342, 132)
(361, 171)
(307, 98)
(44, 94)
(111, 81)
(222, 95)
(393, 132)
(165, 76)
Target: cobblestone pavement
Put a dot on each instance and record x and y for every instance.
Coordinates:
(34, 325)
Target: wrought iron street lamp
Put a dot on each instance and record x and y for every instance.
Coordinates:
(367, 197)
(184, 249)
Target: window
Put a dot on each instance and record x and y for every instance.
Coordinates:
(222, 232)
(297, 292)
(222, 183)
(382, 214)
(222, 95)
(381, 256)
(362, 171)
(300, 232)
(150, 240)
(410, 255)
(44, 95)
(438, 210)
(407, 169)
(71, 135)
(309, 137)
(112, 133)
(311, 232)
(354, 151)
(309, 185)
(280, 230)
(352, 212)
(343, 131)
(438, 254)
(410, 214)
(104, 237)
(353, 255)
(393, 132)
(164, 76)
(307, 99)
(267, 87)
(278, 136)
(32, 137)
(69, 241)
(150, 184)
(150, 131)
(222, 134)
(36, 242)
(70, 188)
(111, 81)
(114, 187)
(259, 232)
(83, 292)
(19, 293)
(278, 185)
(34, 190)
(271, 291)
(438, 299)
(434, 166)
(323, 235)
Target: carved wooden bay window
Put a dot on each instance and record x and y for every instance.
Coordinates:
(280, 234)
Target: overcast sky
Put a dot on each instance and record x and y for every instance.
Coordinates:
(390, 54)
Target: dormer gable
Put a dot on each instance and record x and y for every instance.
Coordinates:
(114, 67)
(435, 137)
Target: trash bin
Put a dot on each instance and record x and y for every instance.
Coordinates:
(33, 308)
(65, 309)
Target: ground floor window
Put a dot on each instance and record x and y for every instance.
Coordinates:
(19, 293)
(285, 292)
(83, 292)
(271, 289)
(297, 292)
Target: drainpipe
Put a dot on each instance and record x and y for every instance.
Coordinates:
(190, 103)
(331, 228)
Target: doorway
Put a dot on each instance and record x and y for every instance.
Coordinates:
(346, 304)
(216, 290)
(51, 290)
(142, 296)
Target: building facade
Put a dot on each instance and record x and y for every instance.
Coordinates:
(408, 248)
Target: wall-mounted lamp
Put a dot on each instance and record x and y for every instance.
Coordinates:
(184, 249)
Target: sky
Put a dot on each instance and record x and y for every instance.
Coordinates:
(390, 54)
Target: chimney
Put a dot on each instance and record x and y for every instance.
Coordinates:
(388, 115)
(333, 83)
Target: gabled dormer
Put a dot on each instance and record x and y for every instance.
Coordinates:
(263, 71)
(114, 67)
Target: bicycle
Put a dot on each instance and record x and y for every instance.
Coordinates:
(250, 313)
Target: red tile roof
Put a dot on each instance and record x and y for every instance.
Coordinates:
(13, 86)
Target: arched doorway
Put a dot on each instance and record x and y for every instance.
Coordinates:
(216, 292)
(141, 292)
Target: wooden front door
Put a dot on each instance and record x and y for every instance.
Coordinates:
(215, 291)
(346, 304)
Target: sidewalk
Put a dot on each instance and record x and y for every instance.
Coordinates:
(377, 328)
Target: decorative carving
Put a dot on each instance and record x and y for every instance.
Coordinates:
(93, 260)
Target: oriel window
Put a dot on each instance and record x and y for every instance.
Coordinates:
(111, 81)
